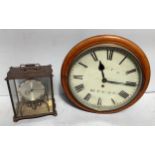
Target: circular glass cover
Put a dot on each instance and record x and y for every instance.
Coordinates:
(105, 78)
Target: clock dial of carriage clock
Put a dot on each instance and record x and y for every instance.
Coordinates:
(105, 74)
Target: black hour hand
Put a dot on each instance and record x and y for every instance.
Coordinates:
(101, 66)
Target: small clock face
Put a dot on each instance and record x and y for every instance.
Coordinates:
(105, 77)
(105, 74)
(32, 90)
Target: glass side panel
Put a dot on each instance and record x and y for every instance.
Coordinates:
(14, 94)
(35, 97)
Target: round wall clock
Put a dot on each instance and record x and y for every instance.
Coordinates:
(105, 74)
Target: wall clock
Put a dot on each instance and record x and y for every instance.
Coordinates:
(105, 74)
(31, 91)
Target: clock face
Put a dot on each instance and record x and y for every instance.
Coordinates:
(105, 74)
(105, 77)
(31, 90)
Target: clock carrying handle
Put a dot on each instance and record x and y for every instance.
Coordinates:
(26, 67)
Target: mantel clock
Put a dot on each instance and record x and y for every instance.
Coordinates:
(31, 91)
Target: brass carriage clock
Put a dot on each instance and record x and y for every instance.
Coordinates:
(31, 91)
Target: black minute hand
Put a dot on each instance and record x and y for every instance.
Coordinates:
(127, 83)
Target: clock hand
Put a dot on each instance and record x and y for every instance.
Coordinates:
(37, 89)
(101, 68)
(114, 82)
(127, 83)
(32, 90)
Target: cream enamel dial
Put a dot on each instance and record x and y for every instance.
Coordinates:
(105, 78)
(31, 90)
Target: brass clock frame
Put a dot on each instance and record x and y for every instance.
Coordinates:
(95, 41)
(30, 72)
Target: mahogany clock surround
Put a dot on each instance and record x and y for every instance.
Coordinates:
(105, 39)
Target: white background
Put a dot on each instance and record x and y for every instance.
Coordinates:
(50, 47)
(71, 14)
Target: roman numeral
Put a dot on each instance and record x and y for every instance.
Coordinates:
(87, 97)
(123, 60)
(80, 63)
(79, 88)
(79, 77)
(130, 71)
(99, 102)
(93, 54)
(113, 101)
(109, 54)
(129, 83)
(123, 94)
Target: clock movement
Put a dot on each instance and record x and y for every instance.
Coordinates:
(105, 74)
(31, 91)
